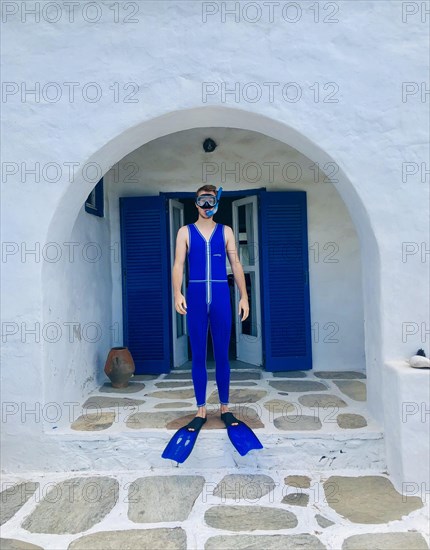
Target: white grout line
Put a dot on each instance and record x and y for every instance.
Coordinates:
(117, 518)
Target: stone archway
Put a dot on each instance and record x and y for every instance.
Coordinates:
(113, 151)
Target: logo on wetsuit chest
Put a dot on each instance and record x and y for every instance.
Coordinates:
(216, 254)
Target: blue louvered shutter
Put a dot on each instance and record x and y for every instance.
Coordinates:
(285, 281)
(146, 307)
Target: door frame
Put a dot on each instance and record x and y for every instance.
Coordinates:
(179, 344)
(249, 349)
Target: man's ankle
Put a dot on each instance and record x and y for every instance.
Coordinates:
(201, 410)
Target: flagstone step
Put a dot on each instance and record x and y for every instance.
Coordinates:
(142, 450)
(315, 419)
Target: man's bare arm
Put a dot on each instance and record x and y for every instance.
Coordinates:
(234, 260)
(238, 273)
(178, 266)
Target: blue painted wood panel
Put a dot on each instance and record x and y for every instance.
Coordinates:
(284, 280)
(146, 283)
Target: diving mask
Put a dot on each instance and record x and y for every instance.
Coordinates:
(209, 201)
(206, 201)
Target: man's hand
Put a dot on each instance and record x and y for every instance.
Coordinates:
(180, 303)
(244, 305)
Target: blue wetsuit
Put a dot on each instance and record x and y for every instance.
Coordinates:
(208, 302)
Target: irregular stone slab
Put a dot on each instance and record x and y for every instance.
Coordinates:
(351, 421)
(172, 394)
(13, 498)
(296, 499)
(275, 406)
(352, 388)
(173, 405)
(234, 375)
(214, 422)
(368, 499)
(184, 375)
(237, 375)
(249, 518)
(132, 387)
(268, 542)
(240, 396)
(241, 486)
(173, 384)
(300, 482)
(130, 539)
(290, 374)
(322, 521)
(140, 420)
(243, 383)
(138, 377)
(297, 422)
(321, 400)
(332, 374)
(74, 505)
(14, 544)
(244, 375)
(93, 422)
(249, 415)
(104, 402)
(163, 498)
(386, 541)
(297, 385)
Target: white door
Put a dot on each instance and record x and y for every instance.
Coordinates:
(248, 332)
(180, 335)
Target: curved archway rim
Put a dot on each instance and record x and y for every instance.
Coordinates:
(144, 131)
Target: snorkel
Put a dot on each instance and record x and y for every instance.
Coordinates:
(213, 211)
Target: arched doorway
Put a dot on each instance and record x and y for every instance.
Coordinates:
(56, 280)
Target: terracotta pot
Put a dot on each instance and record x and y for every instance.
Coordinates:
(119, 367)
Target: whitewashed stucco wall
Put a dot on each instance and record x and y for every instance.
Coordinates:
(170, 52)
(76, 343)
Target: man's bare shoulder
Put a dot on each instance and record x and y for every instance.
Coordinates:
(182, 234)
(183, 231)
(228, 231)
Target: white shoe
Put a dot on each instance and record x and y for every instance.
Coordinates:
(420, 361)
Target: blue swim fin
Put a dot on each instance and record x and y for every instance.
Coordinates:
(182, 443)
(241, 436)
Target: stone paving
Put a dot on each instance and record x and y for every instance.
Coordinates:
(301, 417)
(272, 502)
(326, 402)
(211, 510)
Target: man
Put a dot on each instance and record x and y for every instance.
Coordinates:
(209, 296)
(207, 243)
